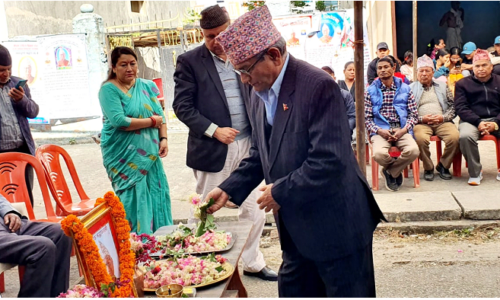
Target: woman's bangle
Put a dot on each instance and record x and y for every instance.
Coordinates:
(153, 124)
(163, 138)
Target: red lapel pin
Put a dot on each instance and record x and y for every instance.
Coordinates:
(285, 107)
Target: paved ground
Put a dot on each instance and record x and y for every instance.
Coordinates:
(445, 264)
(419, 266)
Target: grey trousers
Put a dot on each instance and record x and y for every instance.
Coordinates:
(469, 134)
(44, 250)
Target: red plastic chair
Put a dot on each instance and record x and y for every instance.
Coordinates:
(395, 152)
(457, 160)
(49, 156)
(13, 184)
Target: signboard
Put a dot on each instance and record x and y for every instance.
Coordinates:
(58, 75)
(294, 30)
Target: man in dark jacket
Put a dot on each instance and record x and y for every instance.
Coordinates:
(211, 100)
(324, 209)
(477, 103)
(16, 106)
(382, 51)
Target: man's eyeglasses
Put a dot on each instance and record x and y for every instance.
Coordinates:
(250, 69)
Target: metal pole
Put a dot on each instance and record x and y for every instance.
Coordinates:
(359, 85)
(415, 55)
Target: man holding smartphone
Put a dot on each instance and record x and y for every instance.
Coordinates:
(16, 106)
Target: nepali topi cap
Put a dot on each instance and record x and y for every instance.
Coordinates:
(249, 35)
(481, 55)
(213, 16)
(425, 61)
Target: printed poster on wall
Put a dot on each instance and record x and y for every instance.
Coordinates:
(65, 75)
(333, 45)
(294, 30)
(25, 64)
(58, 75)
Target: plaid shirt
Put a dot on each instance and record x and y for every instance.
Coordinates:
(388, 111)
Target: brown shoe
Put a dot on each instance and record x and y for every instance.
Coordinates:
(231, 205)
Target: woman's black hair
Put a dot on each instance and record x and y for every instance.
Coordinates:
(408, 56)
(441, 52)
(432, 44)
(115, 55)
(347, 64)
(455, 51)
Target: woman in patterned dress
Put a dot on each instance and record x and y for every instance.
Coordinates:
(133, 139)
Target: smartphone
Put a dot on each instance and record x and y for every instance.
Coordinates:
(21, 83)
(458, 66)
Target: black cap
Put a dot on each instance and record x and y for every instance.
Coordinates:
(5, 59)
(382, 45)
(213, 16)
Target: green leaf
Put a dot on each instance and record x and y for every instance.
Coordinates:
(219, 269)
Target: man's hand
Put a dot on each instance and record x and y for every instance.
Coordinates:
(163, 148)
(266, 201)
(426, 119)
(386, 134)
(220, 197)
(436, 119)
(399, 132)
(483, 128)
(13, 221)
(225, 135)
(17, 94)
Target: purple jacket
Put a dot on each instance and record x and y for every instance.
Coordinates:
(25, 108)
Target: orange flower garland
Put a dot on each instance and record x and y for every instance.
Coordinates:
(90, 251)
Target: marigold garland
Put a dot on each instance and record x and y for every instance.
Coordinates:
(90, 251)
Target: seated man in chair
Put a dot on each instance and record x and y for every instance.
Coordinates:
(436, 112)
(391, 113)
(42, 248)
(477, 102)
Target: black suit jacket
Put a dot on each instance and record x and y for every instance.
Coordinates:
(327, 208)
(199, 101)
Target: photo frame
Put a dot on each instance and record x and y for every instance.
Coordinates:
(101, 226)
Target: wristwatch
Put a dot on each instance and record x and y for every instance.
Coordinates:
(496, 126)
(163, 138)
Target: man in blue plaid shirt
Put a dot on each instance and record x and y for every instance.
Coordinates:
(391, 112)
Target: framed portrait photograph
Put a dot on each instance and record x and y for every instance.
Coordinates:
(102, 232)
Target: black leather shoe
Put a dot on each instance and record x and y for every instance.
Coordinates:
(264, 274)
(429, 175)
(390, 182)
(399, 180)
(443, 173)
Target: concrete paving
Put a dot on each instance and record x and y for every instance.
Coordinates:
(432, 201)
(487, 207)
(424, 206)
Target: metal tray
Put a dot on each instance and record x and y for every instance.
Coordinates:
(227, 266)
(161, 232)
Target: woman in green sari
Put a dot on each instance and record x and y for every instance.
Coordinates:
(133, 139)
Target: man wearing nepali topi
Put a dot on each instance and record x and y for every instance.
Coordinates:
(301, 147)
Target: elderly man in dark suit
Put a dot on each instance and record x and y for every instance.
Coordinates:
(211, 100)
(41, 247)
(301, 146)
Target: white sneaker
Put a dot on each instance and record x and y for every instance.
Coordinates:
(476, 180)
(498, 176)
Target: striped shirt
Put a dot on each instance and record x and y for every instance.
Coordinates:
(10, 131)
(388, 111)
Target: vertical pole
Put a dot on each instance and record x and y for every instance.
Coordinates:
(359, 85)
(415, 55)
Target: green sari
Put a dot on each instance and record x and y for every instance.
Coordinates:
(131, 157)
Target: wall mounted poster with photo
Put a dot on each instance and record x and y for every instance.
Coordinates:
(58, 75)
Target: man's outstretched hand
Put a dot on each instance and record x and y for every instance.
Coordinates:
(220, 197)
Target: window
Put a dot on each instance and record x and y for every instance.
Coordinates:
(136, 6)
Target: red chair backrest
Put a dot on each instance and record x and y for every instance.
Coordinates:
(49, 156)
(13, 184)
